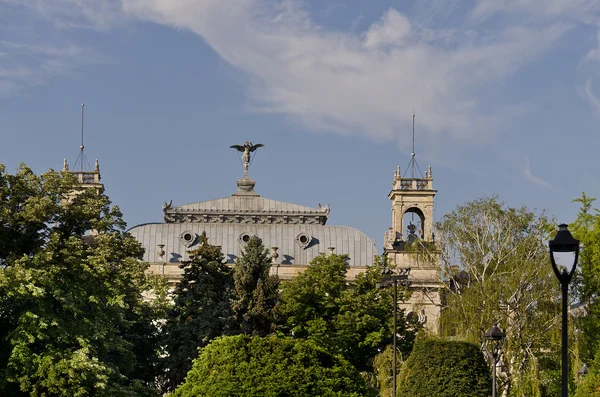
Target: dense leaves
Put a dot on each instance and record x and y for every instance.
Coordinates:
(201, 310)
(354, 320)
(73, 319)
(267, 367)
(256, 294)
(438, 368)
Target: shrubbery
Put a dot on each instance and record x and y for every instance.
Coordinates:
(438, 368)
(253, 366)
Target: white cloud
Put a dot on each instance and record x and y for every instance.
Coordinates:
(532, 178)
(356, 83)
(393, 29)
(594, 53)
(587, 93)
(586, 11)
(351, 82)
(33, 64)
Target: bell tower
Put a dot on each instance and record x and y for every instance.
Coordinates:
(411, 232)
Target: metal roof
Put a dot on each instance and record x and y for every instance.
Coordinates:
(346, 240)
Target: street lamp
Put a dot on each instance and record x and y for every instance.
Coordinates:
(494, 337)
(564, 242)
(389, 278)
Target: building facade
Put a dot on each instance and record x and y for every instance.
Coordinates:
(294, 234)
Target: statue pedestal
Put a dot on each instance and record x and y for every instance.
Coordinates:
(245, 187)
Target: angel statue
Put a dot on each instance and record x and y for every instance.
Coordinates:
(246, 149)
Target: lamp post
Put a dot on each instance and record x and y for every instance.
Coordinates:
(564, 242)
(495, 337)
(389, 278)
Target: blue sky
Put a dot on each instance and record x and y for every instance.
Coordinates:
(506, 95)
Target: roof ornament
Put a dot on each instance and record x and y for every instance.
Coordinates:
(246, 185)
(246, 149)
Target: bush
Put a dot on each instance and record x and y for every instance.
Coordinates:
(253, 366)
(439, 368)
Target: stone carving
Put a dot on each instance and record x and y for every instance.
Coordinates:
(246, 149)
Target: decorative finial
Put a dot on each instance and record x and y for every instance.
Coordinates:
(65, 165)
(97, 166)
(246, 149)
(429, 175)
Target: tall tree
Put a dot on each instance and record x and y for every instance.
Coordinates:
(354, 320)
(496, 268)
(201, 310)
(256, 293)
(586, 228)
(74, 322)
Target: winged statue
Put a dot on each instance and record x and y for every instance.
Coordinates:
(246, 149)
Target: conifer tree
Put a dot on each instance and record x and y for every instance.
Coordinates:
(256, 296)
(201, 310)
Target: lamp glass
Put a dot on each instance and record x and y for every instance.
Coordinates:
(564, 260)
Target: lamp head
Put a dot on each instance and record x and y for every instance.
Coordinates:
(563, 241)
(494, 334)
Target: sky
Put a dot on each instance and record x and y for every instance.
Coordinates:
(506, 96)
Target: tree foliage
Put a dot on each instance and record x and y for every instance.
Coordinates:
(496, 268)
(201, 310)
(439, 368)
(586, 228)
(256, 294)
(267, 367)
(354, 320)
(589, 385)
(73, 319)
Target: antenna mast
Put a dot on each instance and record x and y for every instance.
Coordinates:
(413, 161)
(82, 147)
(81, 159)
(413, 147)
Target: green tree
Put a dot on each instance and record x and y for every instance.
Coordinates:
(268, 367)
(589, 385)
(201, 310)
(495, 265)
(74, 322)
(256, 293)
(586, 228)
(354, 320)
(439, 368)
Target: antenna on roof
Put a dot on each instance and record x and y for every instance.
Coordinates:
(413, 160)
(81, 159)
(413, 150)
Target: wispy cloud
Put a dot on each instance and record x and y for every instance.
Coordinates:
(532, 178)
(33, 64)
(364, 82)
(587, 93)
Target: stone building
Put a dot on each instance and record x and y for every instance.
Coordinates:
(294, 234)
(410, 197)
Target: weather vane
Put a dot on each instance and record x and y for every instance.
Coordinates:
(246, 149)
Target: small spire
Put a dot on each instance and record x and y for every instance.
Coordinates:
(429, 175)
(97, 167)
(65, 165)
